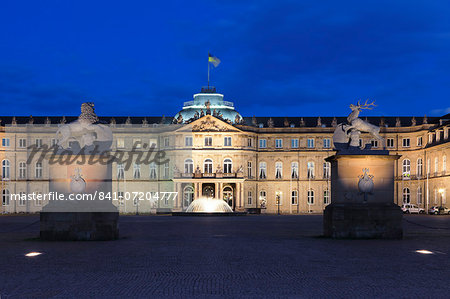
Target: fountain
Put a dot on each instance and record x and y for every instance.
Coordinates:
(207, 206)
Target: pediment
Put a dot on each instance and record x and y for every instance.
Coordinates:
(209, 123)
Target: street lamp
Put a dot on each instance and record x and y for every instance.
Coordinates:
(278, 197)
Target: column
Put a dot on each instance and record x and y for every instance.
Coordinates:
(242, 195)
(220, 190)
(216, 190)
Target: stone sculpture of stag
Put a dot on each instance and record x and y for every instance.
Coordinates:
(360, 125)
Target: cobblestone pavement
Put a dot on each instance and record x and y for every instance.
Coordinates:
(252, 256)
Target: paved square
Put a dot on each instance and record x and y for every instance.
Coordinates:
(253, 256)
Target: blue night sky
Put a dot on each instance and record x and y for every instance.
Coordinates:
(279, 58)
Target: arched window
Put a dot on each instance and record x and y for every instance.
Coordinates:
(406, 196)
(262, 199)
(294, 170)
(310, 197)
(419, 167)
(5, 197)
(189, 166)
(406, 168)
(22, 170)
(262, 170)
(227, 165)
(188, 195)
(310, 170)
(419, 195)
(153, 171)
(38, 170)
(294, 197)
(278, 170)
(5, 169)
(208, 166)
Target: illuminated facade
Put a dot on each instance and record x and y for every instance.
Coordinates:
(272, 164)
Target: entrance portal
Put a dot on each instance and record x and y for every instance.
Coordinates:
(228, 195)
(208, 190)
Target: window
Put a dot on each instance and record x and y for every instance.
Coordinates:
(294, 143)
(310, 143)
(278, 143)
(5, 142)
(430, 138)
(310, 170)
(208, 141)
(360, 142)
(406, 168)
(137, 171)
(153, 171)
(436, 165)
(262, 170)
(188, 196)
(262, 199)
(5, 169)
(444, 164)
(419, 167)
(406, 196)
(22, 143)
(120, 171)
(188, 166)
(166, 170)
(227, 166)
(294, 170)
(54, 142)
(5, 197)
(166, 142)
(120, 143)
(419, 195)
(188, 141)
(38, 142)
(250, 142)
(22, 198)
(249, 169)
(278, 198)
(120, 198)
(262, 143)
(326, 170)
(310, 197)
(406, 142)
(208, 166)
(390, 142)
(153, 143)
(38, 170)
(419, 141)
(374, 143)
(326, 196)
(38, 201)
(326, 143)
(227, 141)
(22, 170)
(278, 170)
(249, 197)
(294, 197)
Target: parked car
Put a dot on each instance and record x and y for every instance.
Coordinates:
(409, 209)
(439, 210)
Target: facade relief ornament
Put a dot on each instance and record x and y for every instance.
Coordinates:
(365, 184)
(209, 125)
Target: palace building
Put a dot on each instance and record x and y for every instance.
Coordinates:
(266, 164)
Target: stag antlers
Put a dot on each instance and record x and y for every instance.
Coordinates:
(366, 105)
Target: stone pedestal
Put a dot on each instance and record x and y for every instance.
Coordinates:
(90, 215)
(354, 213)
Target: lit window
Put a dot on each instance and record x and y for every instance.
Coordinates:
(310, 170)
(120, 143)
(294, 170)
(326, 170)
